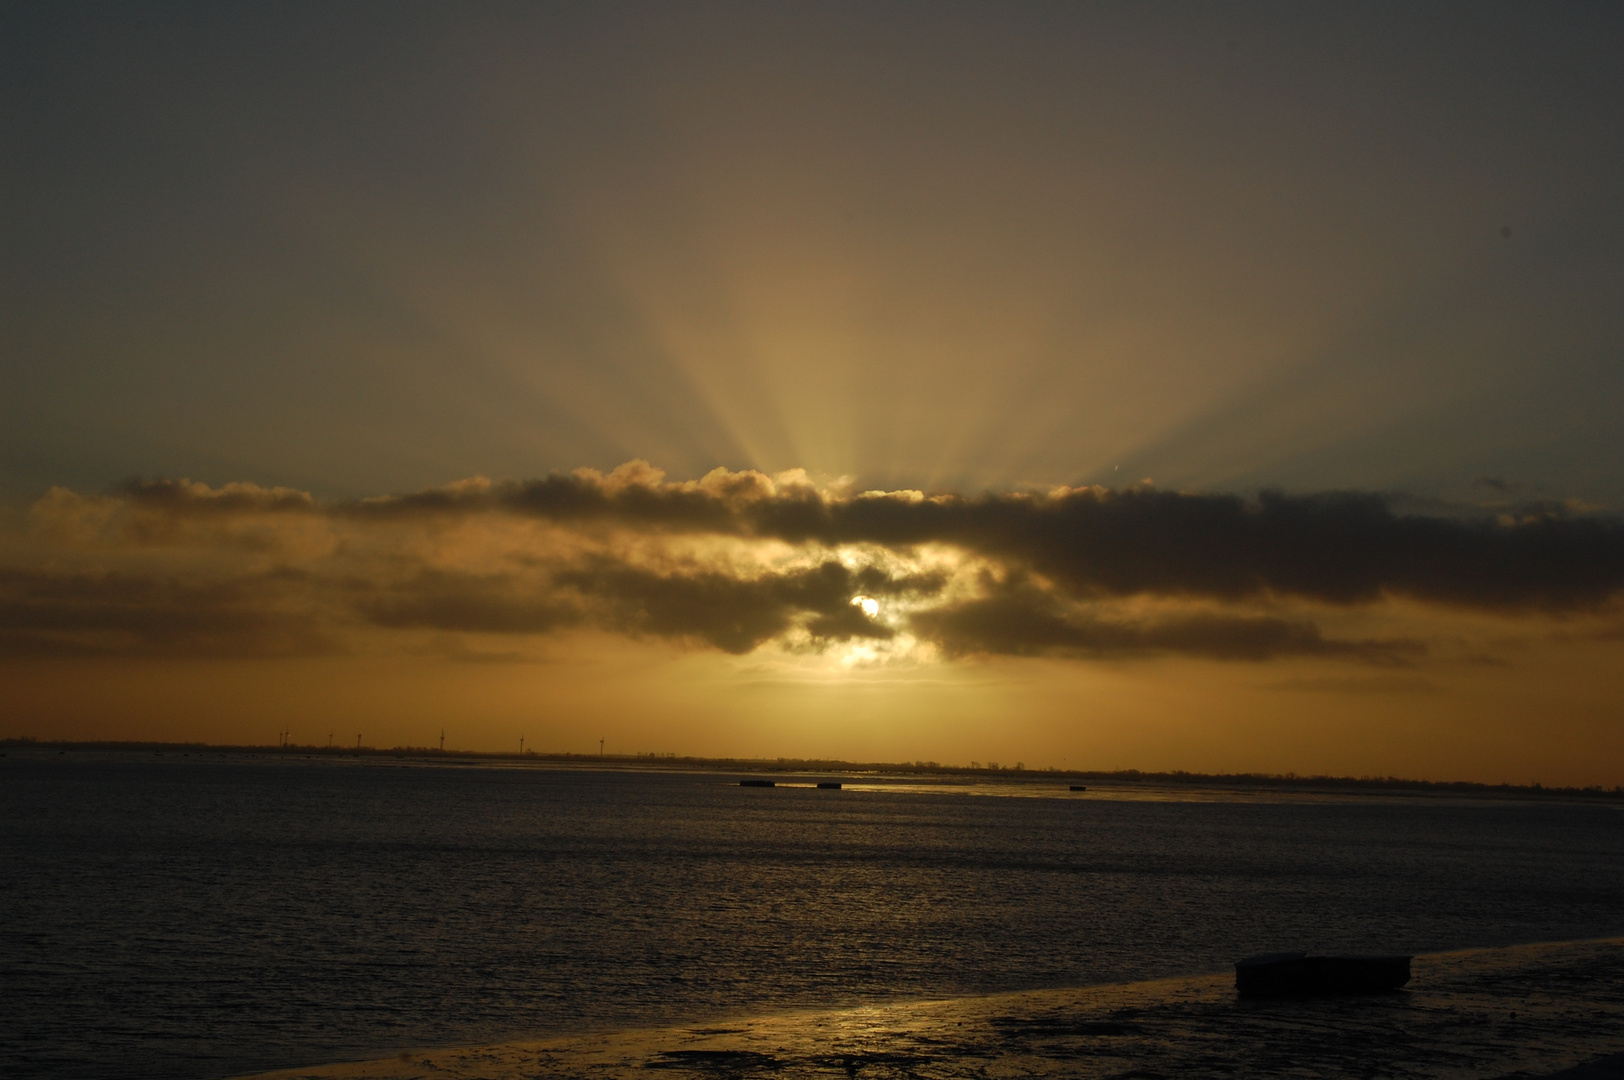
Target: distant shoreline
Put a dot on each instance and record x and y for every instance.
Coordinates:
(1017, 774)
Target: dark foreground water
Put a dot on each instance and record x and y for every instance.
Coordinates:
(204, 916)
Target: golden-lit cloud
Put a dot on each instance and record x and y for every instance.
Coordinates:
(743, 561)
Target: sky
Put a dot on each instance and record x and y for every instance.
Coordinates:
(1227, 387)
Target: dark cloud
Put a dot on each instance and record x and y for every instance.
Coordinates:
(1025, 621)
(1340, 548)
(737, 614)
(46, 613)
(284, 612)
(1060, 573)
(189, 497)
(719, 608)
(470, 603)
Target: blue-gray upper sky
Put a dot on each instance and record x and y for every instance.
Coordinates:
(364, 248)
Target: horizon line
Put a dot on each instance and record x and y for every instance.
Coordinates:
(786, 764)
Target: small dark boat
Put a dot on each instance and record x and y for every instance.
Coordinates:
(1296, 974)
(831, 784)
(758, 783)
(1079, 787)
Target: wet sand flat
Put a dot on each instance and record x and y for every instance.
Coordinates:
(1485, 1013)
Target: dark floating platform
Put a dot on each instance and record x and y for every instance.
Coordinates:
(1295, 974)
(833, 785)
(758, 783)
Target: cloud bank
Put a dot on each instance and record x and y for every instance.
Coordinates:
(742, 561)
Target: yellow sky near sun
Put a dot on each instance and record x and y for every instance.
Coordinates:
(1552, 718)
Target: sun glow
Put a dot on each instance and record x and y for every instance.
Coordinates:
(869, 605)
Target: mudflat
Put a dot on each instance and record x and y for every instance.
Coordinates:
(1522, 1011)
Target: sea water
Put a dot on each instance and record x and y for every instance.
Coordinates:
(213, 914)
